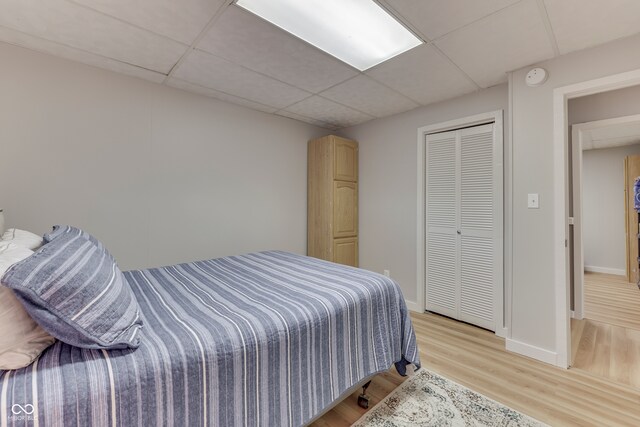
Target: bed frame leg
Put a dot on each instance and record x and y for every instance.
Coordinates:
(363, 399)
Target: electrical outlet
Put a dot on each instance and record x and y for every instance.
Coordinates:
(387, 273)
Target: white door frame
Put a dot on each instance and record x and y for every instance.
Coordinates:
(561, 98)
(478, 119)
(577, 138)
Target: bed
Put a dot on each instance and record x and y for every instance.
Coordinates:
(269, 338)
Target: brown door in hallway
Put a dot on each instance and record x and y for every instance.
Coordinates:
(631, 172)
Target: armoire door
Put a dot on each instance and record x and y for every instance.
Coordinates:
(464, 224)
(345, 251)
(345, 160)
(345, 209)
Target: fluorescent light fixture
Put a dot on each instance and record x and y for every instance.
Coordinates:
(358, 32)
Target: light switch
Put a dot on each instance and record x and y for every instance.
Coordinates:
(532, 201)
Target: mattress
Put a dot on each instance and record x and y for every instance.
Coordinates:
(268, 338)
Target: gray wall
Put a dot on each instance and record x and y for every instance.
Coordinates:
(606, 105)
(160, 175)
(388, 181)
(603, 221)
(534, 239)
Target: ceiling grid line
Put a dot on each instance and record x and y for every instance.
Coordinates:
(155, 33)
(391, 11)
(224, 93)
(253, 71)
(452, 62)
(477, 20)
(386, 6)
(390, 88)
(217, 49)
(344, 105)
(198, 38)
(160, 73)
(368, 77)
(549, 27)
(327, 54)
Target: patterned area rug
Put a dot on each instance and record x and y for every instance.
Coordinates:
(427, 399)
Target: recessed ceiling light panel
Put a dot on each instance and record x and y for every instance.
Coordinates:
(358, 32)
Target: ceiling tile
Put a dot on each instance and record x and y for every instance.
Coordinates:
(435, 18)
(367, 95)
(328, 112)
(300, 118)
(194, 88)
(181, 20)
(216, 73)
(243, 38)
(76, 26)
(578, 24)
(507, 40)
(34, 43)
(423, 74)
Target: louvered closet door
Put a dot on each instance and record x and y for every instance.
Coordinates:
(463, 224)
(442, 212)
(477, 251)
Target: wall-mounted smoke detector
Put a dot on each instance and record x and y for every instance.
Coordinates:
(536, 77)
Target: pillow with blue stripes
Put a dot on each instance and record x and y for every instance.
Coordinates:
(74, 290)
(61, 230)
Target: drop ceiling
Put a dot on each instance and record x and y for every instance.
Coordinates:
(217, 49)
(611, 135)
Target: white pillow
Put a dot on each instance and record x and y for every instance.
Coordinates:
(21, 339)
(23, 238)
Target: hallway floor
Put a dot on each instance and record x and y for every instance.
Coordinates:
(607, 341)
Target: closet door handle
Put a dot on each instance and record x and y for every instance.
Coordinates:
(459, 232)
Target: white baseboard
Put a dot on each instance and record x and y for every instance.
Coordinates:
(532, 351)
(605, 270)
(414, 306)
(576, 315)
(502, 332)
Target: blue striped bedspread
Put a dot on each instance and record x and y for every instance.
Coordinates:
(267, 338)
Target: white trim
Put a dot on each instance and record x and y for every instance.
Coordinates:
(532, 351)
(578, 244)
(577, 140)
(414, 306)
(421, 216)
(561, 96)
(508, 232)
(495, 117)
(605, 270)
(498, 223)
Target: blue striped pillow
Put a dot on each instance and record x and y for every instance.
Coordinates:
(61, 230)
(74, 290)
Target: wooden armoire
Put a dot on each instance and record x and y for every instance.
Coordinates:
(332, 200)
(631, 172)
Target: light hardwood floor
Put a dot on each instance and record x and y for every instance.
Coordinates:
(607, 341)
(611, 299)
(478, 360)
(607, 350)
